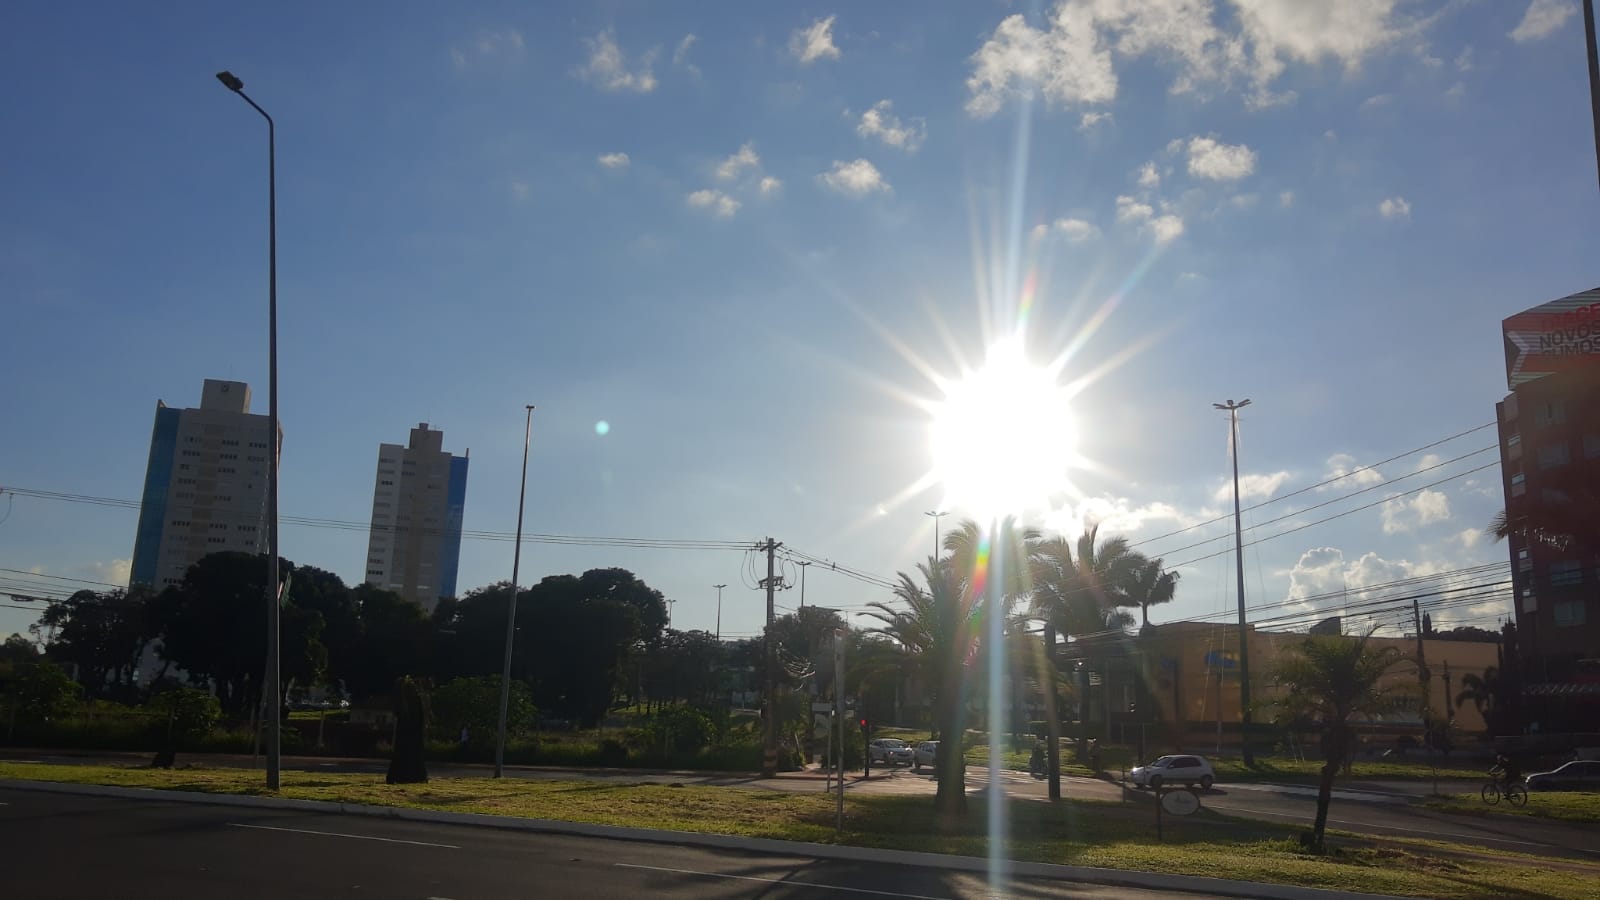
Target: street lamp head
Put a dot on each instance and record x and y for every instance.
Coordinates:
(230, 81)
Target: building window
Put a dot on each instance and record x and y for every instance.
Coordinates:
(191, 453)
(1552, 412)
(1570, 613)
(386, 481)
(1519, 484)
(1552, 496)
(1566, 573)
(1591, 446)
(375, 572)
(1524, 560)
(1553, 455)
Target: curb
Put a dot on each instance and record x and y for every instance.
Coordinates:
(1085, 874)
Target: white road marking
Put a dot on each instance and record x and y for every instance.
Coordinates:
(803, 884)
(359, 837)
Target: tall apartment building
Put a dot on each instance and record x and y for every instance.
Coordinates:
(205, 486)
(418, 500)
(1550, 464)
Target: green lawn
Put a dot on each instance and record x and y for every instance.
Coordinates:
(1561, 805)
(1309, 770)
(1112, 835)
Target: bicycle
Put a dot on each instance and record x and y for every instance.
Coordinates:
(1515, 792)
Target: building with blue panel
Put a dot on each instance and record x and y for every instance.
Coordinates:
(419, 497)
(205, 485)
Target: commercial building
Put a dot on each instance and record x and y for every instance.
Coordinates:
(418, 498)
(1549, 427)
(205, 485)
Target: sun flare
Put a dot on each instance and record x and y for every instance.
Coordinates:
(1003, 437)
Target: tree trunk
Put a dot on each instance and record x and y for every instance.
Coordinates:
(410, 736)
(1324, 797)
(950, 767)
(1052, 715)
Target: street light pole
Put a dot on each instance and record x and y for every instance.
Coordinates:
(511, 607)
(936, 515)
(1594, 74)
(274, 598)
(803, 565)
(1238, 553)
(719, 588)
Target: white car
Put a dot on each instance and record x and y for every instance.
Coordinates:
(889, 752)
(1176, 769)
(924, 755)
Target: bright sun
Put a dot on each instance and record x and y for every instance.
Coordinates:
(1002, 437)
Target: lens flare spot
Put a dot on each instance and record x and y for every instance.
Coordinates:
(602, 428)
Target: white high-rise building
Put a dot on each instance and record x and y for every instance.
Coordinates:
(205, 486)
(418, 499)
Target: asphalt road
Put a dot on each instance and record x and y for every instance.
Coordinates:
(1382, 809)
(67, 846)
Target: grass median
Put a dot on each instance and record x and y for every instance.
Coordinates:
(1562, 806)
(1111, 835)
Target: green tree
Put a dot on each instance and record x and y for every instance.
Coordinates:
(1329, 680)
(17, 649)
(474, 704)
(104, 635)
(1151, 585)
(212, 627)
(937, 627)
(37, 691)
(393, 638)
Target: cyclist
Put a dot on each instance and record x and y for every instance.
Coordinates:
(1506, 770)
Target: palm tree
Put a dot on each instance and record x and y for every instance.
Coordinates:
(1077, 595)
(938, 629)
(1330, 679)
(1481, 690)
(1152, 586)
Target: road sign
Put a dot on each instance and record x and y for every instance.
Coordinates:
(1180, 803)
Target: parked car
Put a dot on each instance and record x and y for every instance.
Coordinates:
(1578, 775)
(1185, 770)
(890, 752)
(925, 754)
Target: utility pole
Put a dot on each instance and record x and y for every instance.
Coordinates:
(769, 758)
(1238, 553)
(1594, 75)
(511, 606)
(1424, 677)
(802, 564)
(838, 718)
(719, 588)
(936, 515)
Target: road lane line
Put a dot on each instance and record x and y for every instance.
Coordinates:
(359, 837)
(803, 884)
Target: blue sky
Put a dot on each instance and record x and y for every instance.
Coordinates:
(744, 238)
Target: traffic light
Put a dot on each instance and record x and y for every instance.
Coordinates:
(864, 726)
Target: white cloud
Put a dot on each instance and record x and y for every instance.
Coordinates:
(116, 571)
(614, 160)
(1090, 119)
(1394, 208)
(608, 69)
(1325, 574)
(769, 186)
(680, 56)
(1244, 201)
(1343, 467)
(720, 204)
(1252, 486)
(1469, 538)
(1118, 515)
(1376, 101)
(815, 42)
(1130, 209)
(856, 178)
(1286, 199)
(1330, 135)
(745, 158)
(519, 190)
(1211, 159)
(1164, 228)
(1464, 61)
(506, 44)
(1456, 91)
(1072, 58)
(880, 123)
(1148, 176)
(1074, 230)
(1403, 514)
(1543, 18)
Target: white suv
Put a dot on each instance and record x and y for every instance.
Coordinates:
(1185, 770)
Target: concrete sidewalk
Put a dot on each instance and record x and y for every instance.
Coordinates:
(1082, 874)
